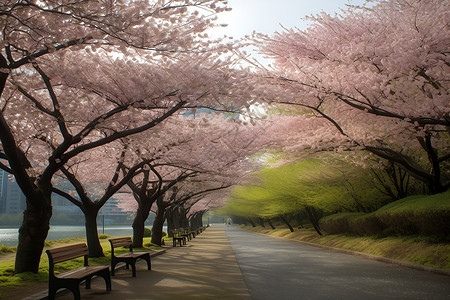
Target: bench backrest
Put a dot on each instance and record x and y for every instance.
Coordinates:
(67, 252)
(57, 255)
(118, 242)
(121, 242)
(175, 232)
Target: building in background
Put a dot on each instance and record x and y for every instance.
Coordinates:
(12, 200)
(13, 203)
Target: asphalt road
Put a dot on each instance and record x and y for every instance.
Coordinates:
(280, 269)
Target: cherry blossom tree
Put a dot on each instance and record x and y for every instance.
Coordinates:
(175, 206)
(56, 103)
(378, 75)
(200, 145)
(95, 188)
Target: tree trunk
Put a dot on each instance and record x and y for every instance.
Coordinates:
(196, 220)
(157, 228)
(287, 223)
(142, 213)
(175, 218)
(32, 234)
(313, 218)
(90, 216)
(261, 221)
(270, 223)
(184, 222)
(251, 222)
(170, 223)
(434, 183)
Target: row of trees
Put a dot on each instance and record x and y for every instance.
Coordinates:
(86, 87)
(133, 96)
(370, 83)
(305, 191)
(374, 78)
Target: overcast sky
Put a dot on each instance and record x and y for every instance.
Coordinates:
(265, 16)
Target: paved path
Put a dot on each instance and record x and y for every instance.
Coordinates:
(277, 269)
(205, 269)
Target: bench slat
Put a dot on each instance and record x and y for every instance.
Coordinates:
(68, 252)
(132, 254)
(81, 272)
(118, 242)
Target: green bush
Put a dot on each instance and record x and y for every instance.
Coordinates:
(147, 232)
(7, 249)
(164, 234)
(415, 215)
(103, 236)
(337, 223)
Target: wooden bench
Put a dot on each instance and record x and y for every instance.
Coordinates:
(185, 233)
(177, 237)
(128, 258)
(71, 279)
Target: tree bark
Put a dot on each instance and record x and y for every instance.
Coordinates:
(196, 220)
(32, 234)
(158, 224)
(261, 221)
(90, 216)
(141, 216)
(287, 223)
(251, 222)
(270, 223)
(175, 218)
(313, 218)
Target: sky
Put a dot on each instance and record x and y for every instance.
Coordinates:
(265, 16)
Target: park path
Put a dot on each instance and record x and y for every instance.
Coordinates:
(276, 268)
(204, 269)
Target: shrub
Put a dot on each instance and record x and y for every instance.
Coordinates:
(103, 236)
(164, 234)
(147, 232)
(337, 223)
(416, 215)
(7, 249)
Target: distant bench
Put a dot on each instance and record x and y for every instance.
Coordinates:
(178, 237)
(128, 258)
(71, 279)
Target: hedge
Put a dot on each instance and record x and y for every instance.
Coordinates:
(415, 215)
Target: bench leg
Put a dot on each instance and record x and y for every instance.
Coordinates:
(113, 267)
(51, 292)
(106, 275)
(76, 293)
(72, 285)
(149, 263)
(133, 268)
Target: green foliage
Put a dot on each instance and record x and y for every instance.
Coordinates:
(103, 236)
(147, 232)
(414, 215)
(328, 184)
(164, 234)
(7, 249)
